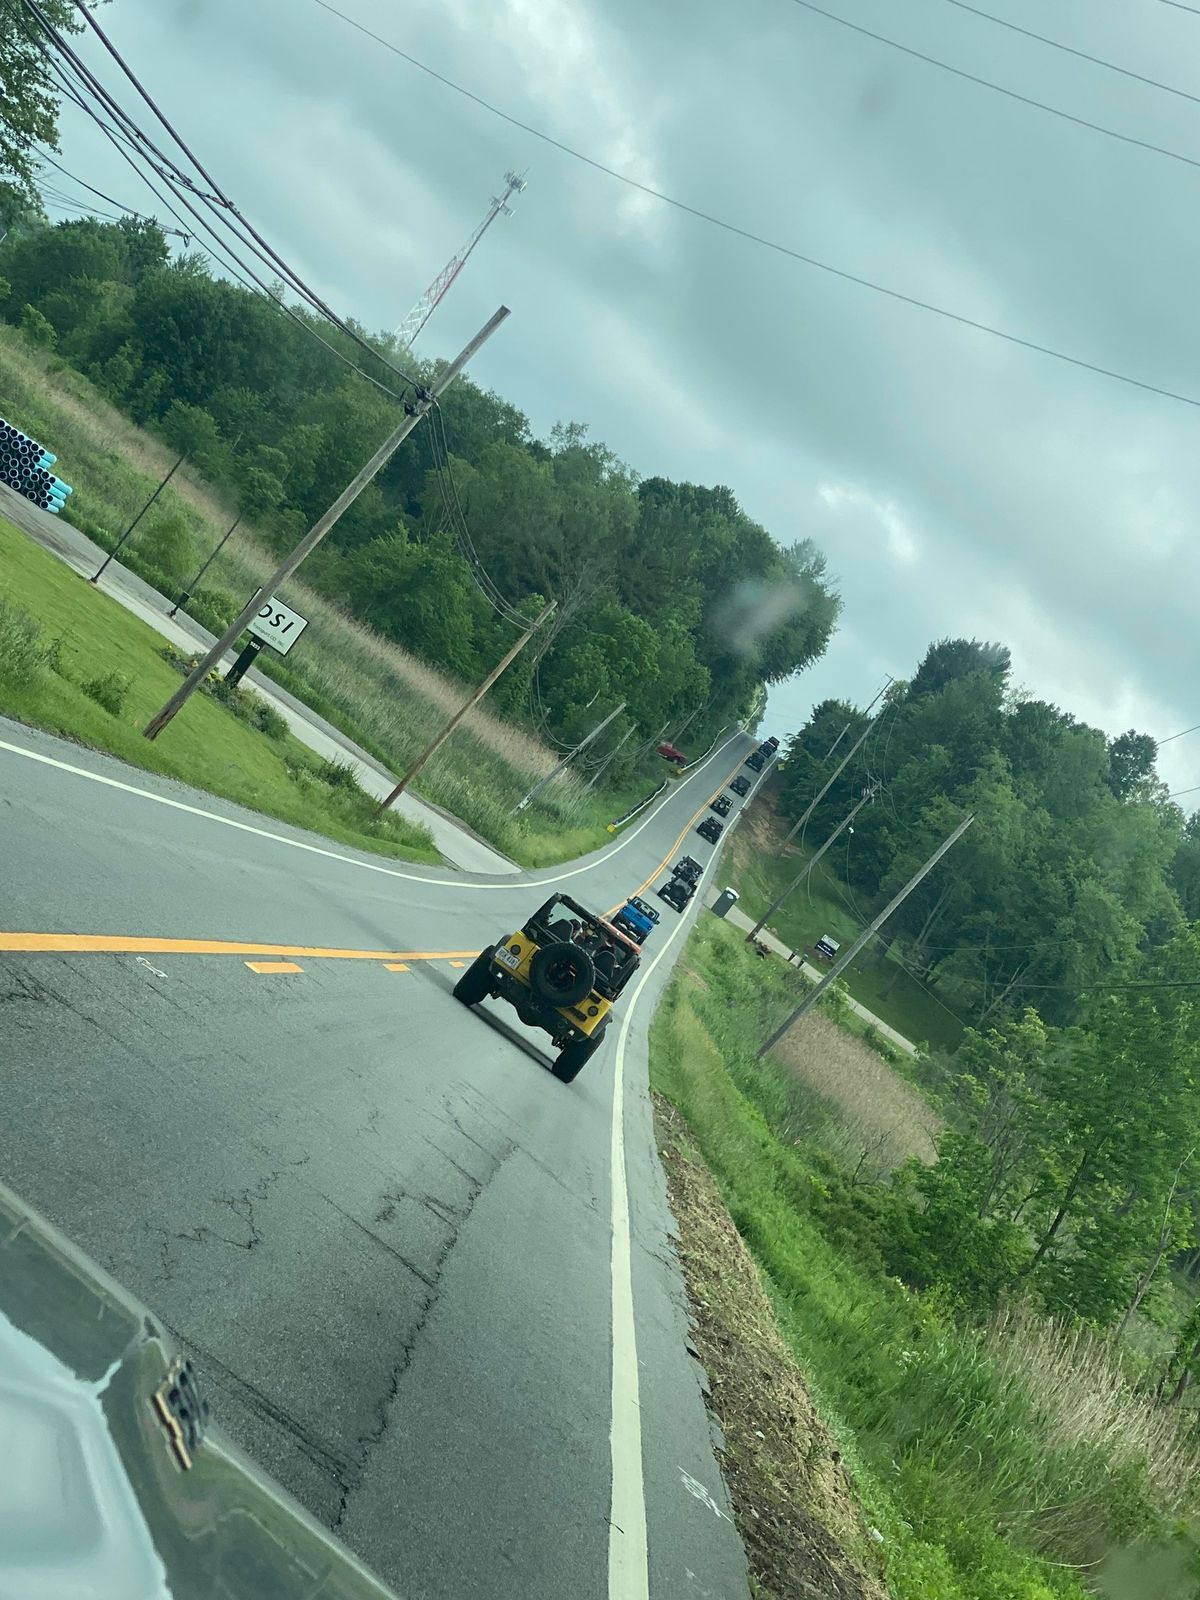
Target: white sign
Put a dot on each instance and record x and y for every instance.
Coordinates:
(278, 625)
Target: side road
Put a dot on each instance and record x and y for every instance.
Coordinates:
(459, 846)
(739, 919)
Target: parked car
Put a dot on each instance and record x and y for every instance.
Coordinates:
(721, 803)
(669, 753)
(711, 829)
(741, 784)
(756, 761)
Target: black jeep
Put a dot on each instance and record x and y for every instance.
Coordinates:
(562, 970)
(720, 803)
(688, 867)
(741, 784)
(678, 892)
(756, 761)
(711, 829)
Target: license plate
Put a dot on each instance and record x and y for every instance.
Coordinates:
(507, 959)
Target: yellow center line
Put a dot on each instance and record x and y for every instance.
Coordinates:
(396, 966)
(684, 831)
(123, 944)
(273, 966)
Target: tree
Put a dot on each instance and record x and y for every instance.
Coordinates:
(29, 101)
(1131, 758)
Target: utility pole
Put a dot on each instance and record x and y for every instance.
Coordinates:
(846, 729)
(611, 757)
(570, 756)
(187, 593)
(844, 961)
(100, 570)
(427, 399)
(474, 700)
(814, 803)
(807, 868)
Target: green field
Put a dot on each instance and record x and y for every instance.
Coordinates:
(824, 904)
(57, 634)
(998, 1463)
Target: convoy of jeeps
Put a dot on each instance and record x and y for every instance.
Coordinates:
(564, 969)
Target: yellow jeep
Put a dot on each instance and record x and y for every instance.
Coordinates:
(562, 971)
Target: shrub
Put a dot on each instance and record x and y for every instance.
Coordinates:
(37, 327)
(167, 547)
(23, 653)
(213, 609)
(341, 775)
(109, 691)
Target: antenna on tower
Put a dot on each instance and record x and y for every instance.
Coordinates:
(407, 332)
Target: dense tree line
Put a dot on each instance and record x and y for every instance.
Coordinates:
(670, 596)
(1077, 860)
(1064, 926)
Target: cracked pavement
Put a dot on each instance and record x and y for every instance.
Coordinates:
(378, 1225)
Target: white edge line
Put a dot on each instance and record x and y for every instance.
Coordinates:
(336, 855)
(628, 1551)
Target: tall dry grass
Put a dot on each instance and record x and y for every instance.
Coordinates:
(877, 1121)
(1085, 1397)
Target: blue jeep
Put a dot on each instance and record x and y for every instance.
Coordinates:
(637, 919)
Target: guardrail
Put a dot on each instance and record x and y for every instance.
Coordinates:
(641, 806)
(707, 753)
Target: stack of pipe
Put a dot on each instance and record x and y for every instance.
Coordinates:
(25, 466)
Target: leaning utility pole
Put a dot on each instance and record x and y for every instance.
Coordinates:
(844, 961)
(816, 801)
(112, 554)
(427, 399)
(807, 868)
(611, 756)
(187, 593)
(570, 756)
(474, 700)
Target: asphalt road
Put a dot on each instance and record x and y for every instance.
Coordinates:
(431, 1289)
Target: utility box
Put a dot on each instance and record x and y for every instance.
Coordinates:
(726, 899)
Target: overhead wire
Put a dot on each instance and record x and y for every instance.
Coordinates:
(129, 211)
(221, 254)
(220, 198)
(1083, 55)
(997, 88)
(82, 86)
(762, 240)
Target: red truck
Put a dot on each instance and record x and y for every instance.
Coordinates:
(671, 754)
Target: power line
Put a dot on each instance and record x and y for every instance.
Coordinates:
(80, 84)
(1194, 728)
(1178, 792)
(1083, 55)
(997, 88)
(1179, 6)
(756, 238)
(220, 253)
(100, 194)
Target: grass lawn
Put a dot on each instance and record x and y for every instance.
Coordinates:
(207, 746)
(823, 904)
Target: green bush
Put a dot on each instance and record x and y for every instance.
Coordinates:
(167, 546)
(24, 654)
(213, 609)
(341, 775)
(109, 690)
(37, 327)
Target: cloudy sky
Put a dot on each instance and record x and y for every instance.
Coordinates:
(957, 483)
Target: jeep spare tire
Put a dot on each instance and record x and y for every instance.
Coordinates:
(562, 974)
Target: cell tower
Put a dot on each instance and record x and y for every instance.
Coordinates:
(420, 314)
